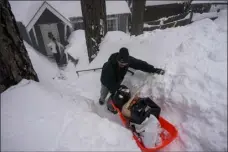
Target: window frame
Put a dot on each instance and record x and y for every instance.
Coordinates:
(115, 19)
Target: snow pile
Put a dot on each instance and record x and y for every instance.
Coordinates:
(60, 114)
(51, 116)
(40, 61)
(198, 16)
(34, 118)
(77, 48)
(192, 93)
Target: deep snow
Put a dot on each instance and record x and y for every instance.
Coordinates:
(47, 116)
(65, 115)
(192, 93)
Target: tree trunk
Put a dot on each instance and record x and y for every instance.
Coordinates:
(94, 18)
(138, 7)
(15, 64)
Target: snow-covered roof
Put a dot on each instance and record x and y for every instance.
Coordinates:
(153, 3)
(25, 10)
(208, 1)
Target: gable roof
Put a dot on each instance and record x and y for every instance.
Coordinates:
(25, 11)
(40, 11)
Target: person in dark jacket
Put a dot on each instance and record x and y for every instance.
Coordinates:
(114, 70)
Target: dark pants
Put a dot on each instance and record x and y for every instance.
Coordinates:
(103, 92)
(57, 58)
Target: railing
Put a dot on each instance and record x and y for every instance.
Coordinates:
(132, 73)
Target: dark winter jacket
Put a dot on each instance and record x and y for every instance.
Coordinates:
(112, 75)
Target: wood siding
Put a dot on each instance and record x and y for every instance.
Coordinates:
(33, 40)
(23, 32)
(122, 22)
(47, 18)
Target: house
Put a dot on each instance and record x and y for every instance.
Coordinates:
(155, 10)
(36, 18)
(159, 9)
(167, 14)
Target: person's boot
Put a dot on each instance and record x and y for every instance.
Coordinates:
(111, 108)
(101, 102)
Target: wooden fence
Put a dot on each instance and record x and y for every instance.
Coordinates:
(173, 21)
(181, 19)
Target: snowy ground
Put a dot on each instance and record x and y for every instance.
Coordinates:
(65, 115)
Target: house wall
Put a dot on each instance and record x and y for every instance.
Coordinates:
(182, 19)
(122, 22)
(158, 11)
(33, 40)
(23, 32)
(47, 18)
(200, 8)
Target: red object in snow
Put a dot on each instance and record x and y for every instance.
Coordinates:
(166, 140)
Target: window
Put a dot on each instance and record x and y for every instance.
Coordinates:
(77, 23)
(112, 24)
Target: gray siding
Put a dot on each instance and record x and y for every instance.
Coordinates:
(122, 21)
(158, 11)
(33, 40)
(23, 32)
(41, 46)
(47, 18)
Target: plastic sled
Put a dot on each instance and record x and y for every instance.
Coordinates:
(166, 140)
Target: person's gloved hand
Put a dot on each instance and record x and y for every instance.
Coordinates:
(159, 71)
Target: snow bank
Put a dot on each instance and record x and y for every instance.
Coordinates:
(39, 61)
(192, 93)
(77, 48)
(52, 115)
(34, 118)
(198, 16)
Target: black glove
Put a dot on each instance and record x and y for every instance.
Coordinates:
(159, 71)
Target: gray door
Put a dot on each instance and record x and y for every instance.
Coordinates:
(45, 28)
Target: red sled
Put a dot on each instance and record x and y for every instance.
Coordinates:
(166, 140)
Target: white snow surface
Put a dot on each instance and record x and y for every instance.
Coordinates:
(192, 93)
(198, 16)
(50, 116)
(163, 2)
(24, 11)
(64, 115)
(77, 48)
